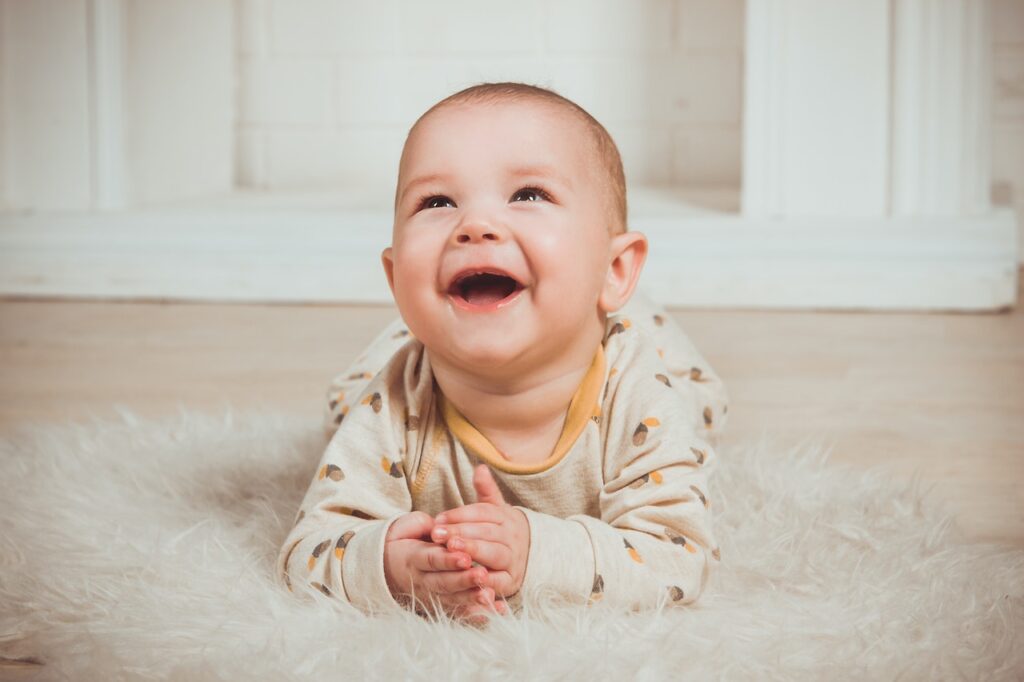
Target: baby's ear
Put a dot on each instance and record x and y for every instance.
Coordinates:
(389, 267)
(627, 254)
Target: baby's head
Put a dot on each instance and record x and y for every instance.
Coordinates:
(510, 244)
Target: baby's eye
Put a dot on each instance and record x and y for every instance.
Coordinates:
(531, 194)
(436, 202)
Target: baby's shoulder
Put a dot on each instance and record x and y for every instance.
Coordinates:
(630, 348)
(393, 396)
(639, 388)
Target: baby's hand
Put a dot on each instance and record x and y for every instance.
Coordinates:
(415, 566)
(495, 534)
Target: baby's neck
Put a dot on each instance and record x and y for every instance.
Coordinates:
(522, 418)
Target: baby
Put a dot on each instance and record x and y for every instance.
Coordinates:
(518, 439)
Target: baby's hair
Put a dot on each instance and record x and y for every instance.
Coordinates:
(488, 93)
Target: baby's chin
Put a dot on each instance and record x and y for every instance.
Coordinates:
(491, 352)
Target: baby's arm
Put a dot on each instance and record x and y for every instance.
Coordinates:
(662, 565)
(653, 540)
(356, 539)
(656, 547)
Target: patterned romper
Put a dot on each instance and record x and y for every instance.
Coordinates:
(620, 510)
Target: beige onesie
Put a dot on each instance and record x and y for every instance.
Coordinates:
(620, 511)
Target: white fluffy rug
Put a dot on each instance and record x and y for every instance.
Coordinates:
(144, 550)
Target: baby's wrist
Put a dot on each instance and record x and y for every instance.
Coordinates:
(393, 573)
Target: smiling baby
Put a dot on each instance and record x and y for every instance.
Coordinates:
(522, 433)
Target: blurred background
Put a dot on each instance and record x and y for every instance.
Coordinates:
(194, 195)
(787, 153)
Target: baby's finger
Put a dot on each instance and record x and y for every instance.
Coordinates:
(472, 513)
(491, 601)
(480, 607)
(434, 558)
(491, 532)
(501, 582)
(450, 582)
(486, 489)
(493, 555)
(413, 525)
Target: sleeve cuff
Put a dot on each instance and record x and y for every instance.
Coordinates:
(362, 569)
(560, 563)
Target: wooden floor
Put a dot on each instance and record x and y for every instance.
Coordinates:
(939, 394)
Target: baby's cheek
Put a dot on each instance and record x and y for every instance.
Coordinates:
(415, 296)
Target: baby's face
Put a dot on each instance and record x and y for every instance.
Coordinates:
(501, 239)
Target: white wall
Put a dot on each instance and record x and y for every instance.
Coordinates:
(328, 88)
(111, 103)
(4, 172)
(180, 118)
(1008, 109)
(46, 139)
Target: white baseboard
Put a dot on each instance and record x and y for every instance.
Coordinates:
(698, 259)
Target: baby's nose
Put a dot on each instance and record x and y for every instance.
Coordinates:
(477, 231)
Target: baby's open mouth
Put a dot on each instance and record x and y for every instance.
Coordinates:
(484, 288)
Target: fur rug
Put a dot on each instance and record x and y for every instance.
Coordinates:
(136, 550)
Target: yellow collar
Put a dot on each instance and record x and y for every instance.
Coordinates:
(581, 408)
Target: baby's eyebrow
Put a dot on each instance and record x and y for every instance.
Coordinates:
(422, 180)
(541, 171)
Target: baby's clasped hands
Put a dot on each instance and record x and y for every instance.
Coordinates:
(495, 534)
(435, 556)
(416, 567)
